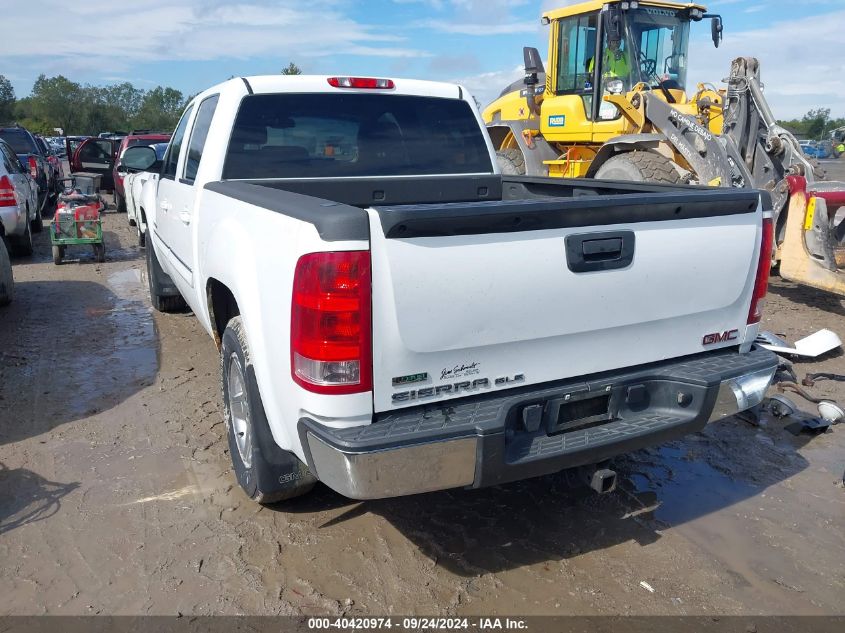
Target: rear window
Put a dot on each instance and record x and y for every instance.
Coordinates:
(133, 142)
(20, 141)
(336, 135)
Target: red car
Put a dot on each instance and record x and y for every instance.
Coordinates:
(135, 138)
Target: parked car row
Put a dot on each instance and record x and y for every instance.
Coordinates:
(35, 155)
(101, 154)
(20, 212)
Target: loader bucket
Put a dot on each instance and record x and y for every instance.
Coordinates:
(798, 263)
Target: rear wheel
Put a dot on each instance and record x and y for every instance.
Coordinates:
(119, 202)
(511, 162)
(58, 254)
(639, 166)
(37, 224)
(22, 244)
(7, 283)
(100, 252)
(265, 471)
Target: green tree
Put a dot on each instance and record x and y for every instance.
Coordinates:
(291, 69)
(7, 101)
(160, 109)
(59, 102)
(815, 122)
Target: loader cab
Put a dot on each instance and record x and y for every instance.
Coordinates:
(601, 48)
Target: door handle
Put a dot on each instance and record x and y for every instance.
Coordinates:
(605, 250)
(185, 216)
(165, 205)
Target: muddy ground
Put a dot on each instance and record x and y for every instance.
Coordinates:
(117, 497)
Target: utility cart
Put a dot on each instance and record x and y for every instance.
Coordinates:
(77, 221)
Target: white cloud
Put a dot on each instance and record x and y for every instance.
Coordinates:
(801, 62)
(109, 38)
(484, 28)
(486, 86)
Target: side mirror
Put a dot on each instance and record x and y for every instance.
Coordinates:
(138, 158)
(533, 61)
(716, 27)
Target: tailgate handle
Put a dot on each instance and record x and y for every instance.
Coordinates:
(606, 250)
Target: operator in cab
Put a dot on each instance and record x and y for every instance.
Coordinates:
(615, 62)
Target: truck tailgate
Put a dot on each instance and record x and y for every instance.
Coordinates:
(475, 297)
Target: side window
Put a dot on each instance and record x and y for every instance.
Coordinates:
(576, 52)
(171, 159)
(10, 166)
(96, 151)
(198, 135)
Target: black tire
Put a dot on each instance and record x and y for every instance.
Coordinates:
(37, 224)
(639, 166)
(164, 295)
(22, 244)
(58, 254)
(511, 162)
(7, 282)
(266, 472)
(142, 235)
(119, 203)
(100, 252)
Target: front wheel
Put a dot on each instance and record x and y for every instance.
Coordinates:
(639, 166)
(266, 472)
(58, 254)
(511, 162)
(163, 293)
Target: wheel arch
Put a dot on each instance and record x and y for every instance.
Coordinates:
(626, 143)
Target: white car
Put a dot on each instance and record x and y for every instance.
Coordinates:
(133, 185)
(19, 213)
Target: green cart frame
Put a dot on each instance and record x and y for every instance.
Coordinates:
(61, 241)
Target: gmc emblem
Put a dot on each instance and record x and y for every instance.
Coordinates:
(720, 337)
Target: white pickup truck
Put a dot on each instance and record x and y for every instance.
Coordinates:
(394, 316)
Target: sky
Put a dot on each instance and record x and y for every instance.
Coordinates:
(193, 44)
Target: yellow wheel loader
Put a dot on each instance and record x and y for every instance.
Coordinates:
(614, 105)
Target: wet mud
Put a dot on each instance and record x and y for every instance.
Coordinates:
(117, 497)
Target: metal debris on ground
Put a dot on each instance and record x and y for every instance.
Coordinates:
(810, 346)
(809, 425)
(810, 379)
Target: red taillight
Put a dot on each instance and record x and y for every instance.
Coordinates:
(361, 82)
(7, 193)
(330, 338)
(761, 283)
(33, 167)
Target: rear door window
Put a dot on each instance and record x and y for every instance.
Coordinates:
(354, 134)
(198, 135)
(171, 159)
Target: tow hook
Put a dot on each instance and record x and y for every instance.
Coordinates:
(602, 480)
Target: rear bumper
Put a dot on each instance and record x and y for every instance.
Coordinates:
(510, 435)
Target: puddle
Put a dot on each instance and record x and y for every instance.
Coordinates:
(683, 487)
(117, 349)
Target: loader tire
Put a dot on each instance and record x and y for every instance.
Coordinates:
(511, 162)
(639, 166)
